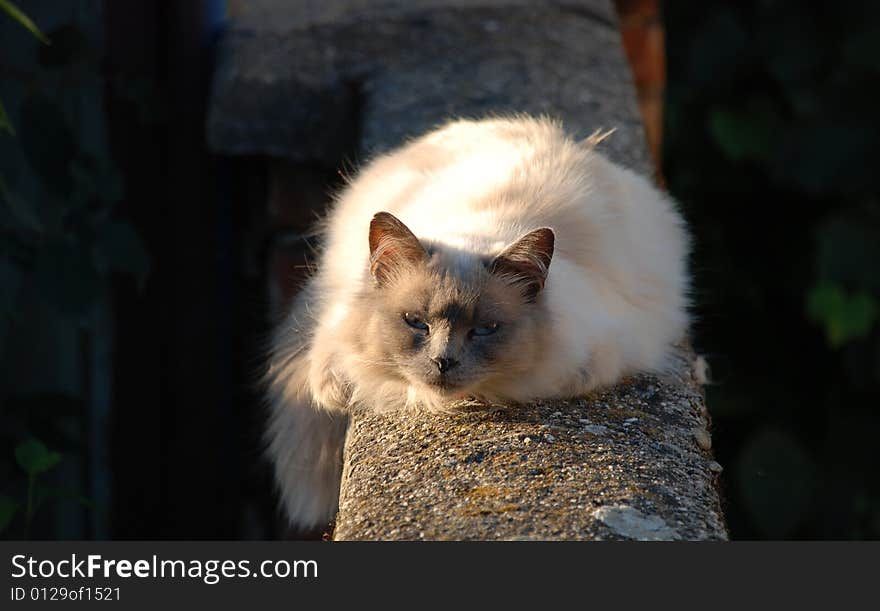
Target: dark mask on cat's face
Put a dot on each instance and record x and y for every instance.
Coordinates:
(451, 321)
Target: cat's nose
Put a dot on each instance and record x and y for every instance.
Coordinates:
(444, 364)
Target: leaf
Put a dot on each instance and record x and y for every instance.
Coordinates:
(121, 249)
(741, 135)
(845, 316)
(8, 508)
(34, 457)
(47, 142)
(777, 480)
(5, 123)
(13, 11)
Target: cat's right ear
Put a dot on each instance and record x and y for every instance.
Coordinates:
(525, 263)
(392, 245)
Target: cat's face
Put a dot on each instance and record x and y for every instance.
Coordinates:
(449, 323)
(448, 333)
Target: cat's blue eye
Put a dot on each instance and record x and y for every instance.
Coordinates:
(485, 329)
(415, 322)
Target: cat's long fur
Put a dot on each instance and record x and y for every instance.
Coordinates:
(613, 303)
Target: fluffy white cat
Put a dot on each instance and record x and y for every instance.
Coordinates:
(497, 259)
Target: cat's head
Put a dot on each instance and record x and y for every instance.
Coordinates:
(450, 322)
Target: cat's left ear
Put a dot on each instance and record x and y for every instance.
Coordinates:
(392, 245)
(527, 261)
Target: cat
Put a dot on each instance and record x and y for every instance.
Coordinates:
(498, 259)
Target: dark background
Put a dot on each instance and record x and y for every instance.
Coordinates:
(772, 147)
(135, 269)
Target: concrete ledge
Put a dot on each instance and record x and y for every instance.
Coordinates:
(316, 82)
(633, 462)
(284, 16)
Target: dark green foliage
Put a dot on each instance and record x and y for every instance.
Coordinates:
(35, 460)
(16, 13)
(772, 143)
(67, 238)
(34, 457)
(62, 240)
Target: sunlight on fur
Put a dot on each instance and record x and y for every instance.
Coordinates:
(500, 260)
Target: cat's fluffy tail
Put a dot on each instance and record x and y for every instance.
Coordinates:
(304, 441)
(305, 445)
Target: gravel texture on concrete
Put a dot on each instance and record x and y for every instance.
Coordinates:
(630, 462)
